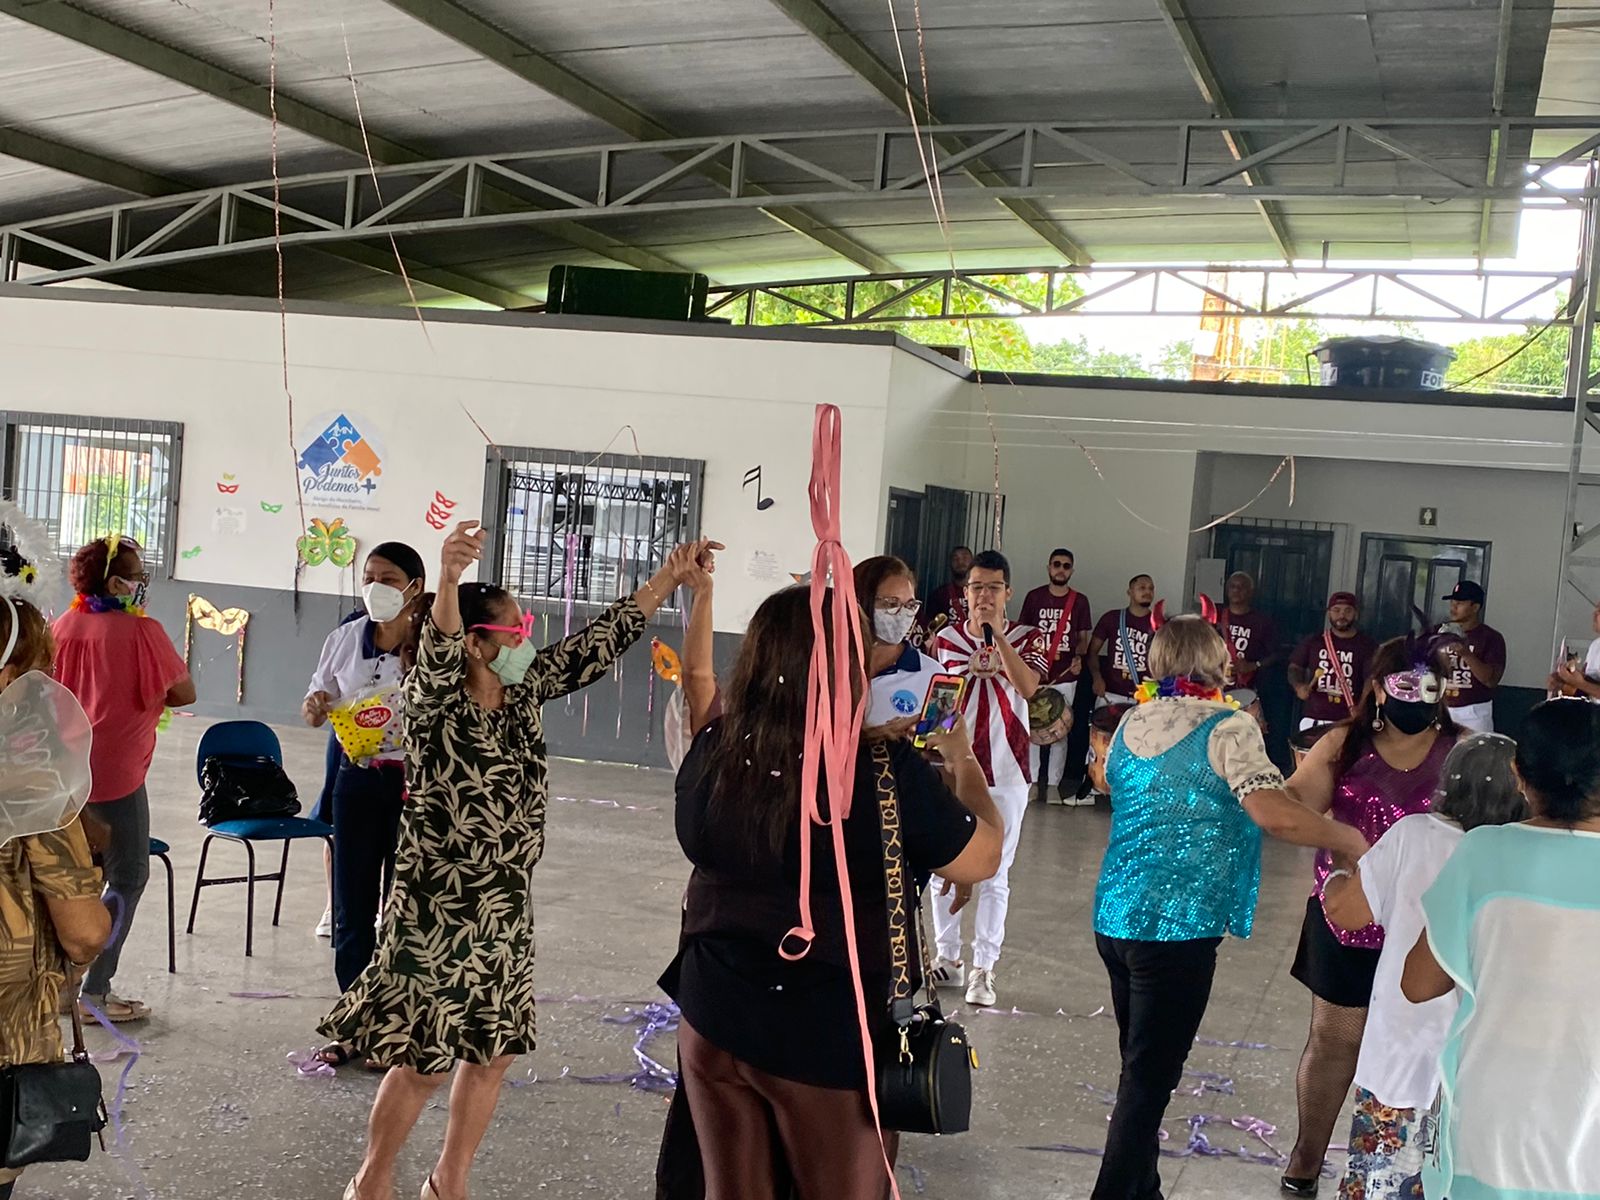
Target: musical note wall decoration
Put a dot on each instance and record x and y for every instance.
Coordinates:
(753, 475)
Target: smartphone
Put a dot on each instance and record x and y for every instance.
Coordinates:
(941, 708)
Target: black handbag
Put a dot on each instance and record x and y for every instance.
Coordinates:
(925, 1062)
(233, 789)
(49, 1111)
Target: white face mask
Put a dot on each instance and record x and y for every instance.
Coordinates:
(384, 603)
(892, 627)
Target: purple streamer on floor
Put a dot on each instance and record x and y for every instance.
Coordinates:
(114, 1110)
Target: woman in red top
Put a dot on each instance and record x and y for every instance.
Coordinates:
(123, 669)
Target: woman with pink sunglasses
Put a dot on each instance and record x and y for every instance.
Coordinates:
(450, 989)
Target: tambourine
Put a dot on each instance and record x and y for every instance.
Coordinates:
(1049, 718)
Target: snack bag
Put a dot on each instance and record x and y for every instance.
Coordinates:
(369, 724)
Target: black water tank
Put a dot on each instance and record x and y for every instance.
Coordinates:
(1383, 362)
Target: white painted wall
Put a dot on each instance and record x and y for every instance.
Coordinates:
(734, 402)
(1174, 459)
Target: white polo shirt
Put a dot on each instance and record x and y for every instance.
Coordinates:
(900, 691)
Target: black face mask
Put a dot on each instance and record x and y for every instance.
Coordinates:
(1409, 716)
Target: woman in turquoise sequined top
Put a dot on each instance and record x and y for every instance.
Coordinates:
(1192, 789)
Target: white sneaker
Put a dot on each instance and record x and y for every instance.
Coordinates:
(980, 987)
(946, 972)
(325, 926)
(1058, 798)
(1084, 801)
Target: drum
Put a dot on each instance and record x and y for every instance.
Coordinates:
(1101, 730)
(1302, 741)
(1049, 718)
(1249, 702)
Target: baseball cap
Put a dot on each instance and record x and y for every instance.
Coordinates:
(1466, 591)
(1343, 598)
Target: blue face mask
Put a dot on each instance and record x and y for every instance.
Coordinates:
(511, 663)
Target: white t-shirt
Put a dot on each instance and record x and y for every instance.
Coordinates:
(351, 661)
(901, 690)
(1591, 666)
(1399, 1062)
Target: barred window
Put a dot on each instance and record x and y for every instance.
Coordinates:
(86, 477)
(592, 527)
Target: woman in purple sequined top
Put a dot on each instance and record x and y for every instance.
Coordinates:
(1368, 772)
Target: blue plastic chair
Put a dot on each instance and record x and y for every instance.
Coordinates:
(159, 849)
(249, 740)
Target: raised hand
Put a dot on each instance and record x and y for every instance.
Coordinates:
(461, 549)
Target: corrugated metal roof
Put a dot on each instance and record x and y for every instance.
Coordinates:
(754, 66)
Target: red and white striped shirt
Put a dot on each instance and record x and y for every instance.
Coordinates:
(997, 715)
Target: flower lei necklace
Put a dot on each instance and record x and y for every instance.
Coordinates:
(101, 604)
(1173, 687)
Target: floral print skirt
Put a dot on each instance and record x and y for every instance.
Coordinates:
(1387, 1146)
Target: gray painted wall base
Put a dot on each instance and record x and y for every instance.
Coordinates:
(282, 647)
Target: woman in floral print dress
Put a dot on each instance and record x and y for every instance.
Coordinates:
(450, 988)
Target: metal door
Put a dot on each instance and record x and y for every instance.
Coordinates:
(1291, 566)
(1399, 573)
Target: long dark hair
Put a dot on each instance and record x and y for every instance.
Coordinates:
(755, 768)
(1396, 655)
(1558, 757)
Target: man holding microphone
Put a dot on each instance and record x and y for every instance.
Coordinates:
(1003, 664)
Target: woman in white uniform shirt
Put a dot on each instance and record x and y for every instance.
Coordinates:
(1570, 679)
(886, 591)
(367, 799)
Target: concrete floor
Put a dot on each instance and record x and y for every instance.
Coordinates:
(213, 1108)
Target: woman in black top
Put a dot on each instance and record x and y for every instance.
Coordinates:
(768, 1043)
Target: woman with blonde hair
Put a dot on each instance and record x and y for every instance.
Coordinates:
(1192, 789)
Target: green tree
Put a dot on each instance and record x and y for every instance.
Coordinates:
(106, 507)
(1529, 361)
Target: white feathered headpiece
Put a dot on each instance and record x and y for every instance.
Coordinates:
(39, 578)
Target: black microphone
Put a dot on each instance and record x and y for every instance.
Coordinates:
(988, 634)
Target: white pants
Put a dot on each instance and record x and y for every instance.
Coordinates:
(1475, 718)
(1055, 761)
(990, 898)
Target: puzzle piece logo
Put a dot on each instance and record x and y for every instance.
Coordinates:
(341, 466)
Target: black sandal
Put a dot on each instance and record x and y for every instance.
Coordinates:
(1299, 1187)
(335, 1054)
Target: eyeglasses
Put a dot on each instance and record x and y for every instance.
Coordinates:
(1059, 565)
(987, 589)
(522, 632)
(140, 577)
(888, 604)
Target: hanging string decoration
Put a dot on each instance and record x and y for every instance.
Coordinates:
(833, 723)
(229, 622)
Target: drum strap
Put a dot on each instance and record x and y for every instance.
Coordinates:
(1127, 646)
(1338, 672)
(1061, 627)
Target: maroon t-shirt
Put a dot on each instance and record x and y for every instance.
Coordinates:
(1113, 667)
(1043, 610)
(1464, 687)
(1251, 638)
(1355, 660)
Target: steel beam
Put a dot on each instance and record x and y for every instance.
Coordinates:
(814, 17)
(534, 66)
(1262, 293)
(1497, 106)
(1198, 62)
(253, 96)
(331, 207)
(58, 156)
(1583, 388)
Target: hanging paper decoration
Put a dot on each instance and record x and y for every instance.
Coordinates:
(229, 622)
(326, 541)
(368, 724)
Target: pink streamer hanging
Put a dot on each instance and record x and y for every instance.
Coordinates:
(833, 725)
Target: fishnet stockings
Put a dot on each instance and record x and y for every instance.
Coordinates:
(1322, 1084)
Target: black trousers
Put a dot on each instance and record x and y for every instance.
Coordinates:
(367, 802)
(1159, 991)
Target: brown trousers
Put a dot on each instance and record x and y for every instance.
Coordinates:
(826, 1134)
